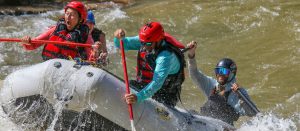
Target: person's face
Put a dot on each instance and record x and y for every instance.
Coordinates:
(91, 26)
(71, 18)
(222, 75)
(222, 79)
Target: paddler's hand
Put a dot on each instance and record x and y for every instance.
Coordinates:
(102, 59)
(119, 33)
(101, 48)
(103, 56)
(130, 98)
(94, 52)
(192, 45)
(96, 46)
(26, 41)
(235, 87)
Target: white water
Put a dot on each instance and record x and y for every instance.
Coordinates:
(59, 106)
(270, 122)
(5, 123)
(272, 118)
(266, 122)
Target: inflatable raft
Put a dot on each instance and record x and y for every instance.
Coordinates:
(82, 88)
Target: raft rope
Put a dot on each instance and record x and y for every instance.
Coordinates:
(81, 62)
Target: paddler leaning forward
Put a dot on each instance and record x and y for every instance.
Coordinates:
(160, 64)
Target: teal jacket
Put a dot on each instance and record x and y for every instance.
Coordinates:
(167, 63)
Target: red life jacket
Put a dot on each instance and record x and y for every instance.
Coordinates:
(144, 68)
(61, 33)
(169, 94)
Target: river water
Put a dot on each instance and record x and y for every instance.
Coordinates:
(263, 37)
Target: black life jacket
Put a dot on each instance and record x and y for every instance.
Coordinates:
(169, 94)
(217, 107)
(78, 35)
(96, 34)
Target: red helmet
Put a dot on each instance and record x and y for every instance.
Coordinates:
(152, 32)
(78, 6)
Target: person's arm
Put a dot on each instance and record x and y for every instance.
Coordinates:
(130, 43)
(89, 51)
(166, 63)
(202, 81)
(99, 50)
(103, 42)
(205, 83)
(242, 107)
(44, 36)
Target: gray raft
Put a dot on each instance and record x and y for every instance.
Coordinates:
(87, 88)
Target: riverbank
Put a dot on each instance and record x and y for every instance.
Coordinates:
(22, 10)
(44, 7)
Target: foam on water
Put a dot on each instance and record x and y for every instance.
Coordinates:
(1, 58)
(59, 106)
(270, 122)
(6, 124)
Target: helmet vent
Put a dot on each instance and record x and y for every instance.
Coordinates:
(149, 25)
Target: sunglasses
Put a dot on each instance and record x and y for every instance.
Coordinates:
(222, 71)
(147, 44)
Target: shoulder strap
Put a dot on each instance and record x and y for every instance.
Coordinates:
(227, 93)
(83, 31)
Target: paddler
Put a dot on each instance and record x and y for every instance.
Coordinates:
(160, 64)
(224, 102)
(100, 53)
(71, 28)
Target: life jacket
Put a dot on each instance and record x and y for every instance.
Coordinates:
(217, 107)
(96, 34)
(169, 94)
(78, 35)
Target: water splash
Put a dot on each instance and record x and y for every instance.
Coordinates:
(6, 124)
(269, 122)
(59, 106)
(31, 113)
(110, 15)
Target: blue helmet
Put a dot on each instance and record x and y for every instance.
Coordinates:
(90, 17)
